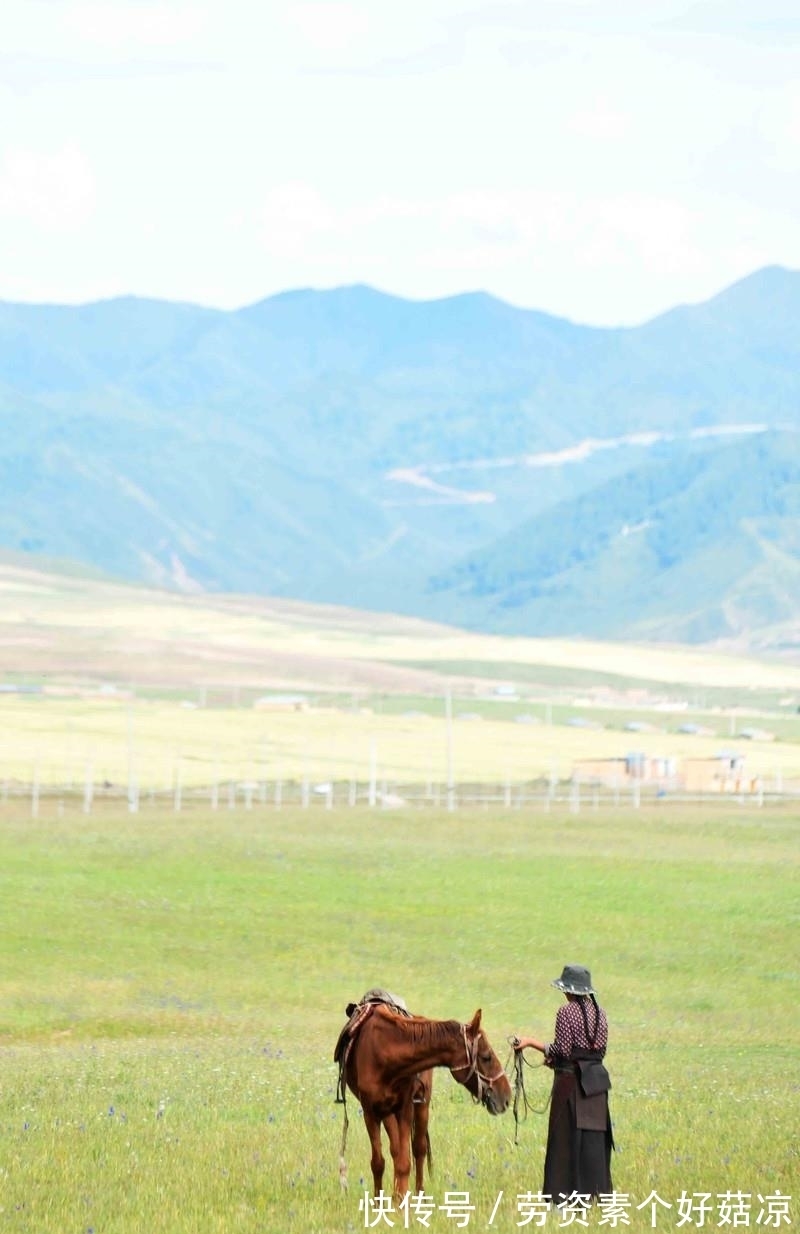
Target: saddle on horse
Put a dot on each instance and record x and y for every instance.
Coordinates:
(357, 1014)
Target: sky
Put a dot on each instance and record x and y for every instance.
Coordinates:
(601, 160)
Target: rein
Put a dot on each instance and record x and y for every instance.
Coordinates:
(521, 1102)
(471, 1066)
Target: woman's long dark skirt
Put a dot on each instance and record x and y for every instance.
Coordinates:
(578, 1159)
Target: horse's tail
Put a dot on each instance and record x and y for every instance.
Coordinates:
(428, 1153)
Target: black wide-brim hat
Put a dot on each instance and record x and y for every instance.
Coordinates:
(575, 979)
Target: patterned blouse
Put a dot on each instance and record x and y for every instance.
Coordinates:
(570, 1031)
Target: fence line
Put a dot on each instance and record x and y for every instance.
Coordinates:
(572, 796)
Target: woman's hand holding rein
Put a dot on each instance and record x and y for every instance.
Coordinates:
(525, 1043)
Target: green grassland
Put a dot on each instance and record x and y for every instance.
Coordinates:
(172, 983)
(172, 986)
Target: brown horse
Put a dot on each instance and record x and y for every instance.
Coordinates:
(387, 1064)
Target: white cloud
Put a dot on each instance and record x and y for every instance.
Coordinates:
(133, 26)
(601, 122)
(331, 27)
(595, 158)
(549, 250)
(292, 218)
(53, 190)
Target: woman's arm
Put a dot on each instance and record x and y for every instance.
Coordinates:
(529, 1043)
(563, 1037)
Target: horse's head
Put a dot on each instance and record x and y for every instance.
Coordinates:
(482, 1072)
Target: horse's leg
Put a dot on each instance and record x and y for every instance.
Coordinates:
(420, 1140)
(421, 1144)
(377, 1161)
(398, 1128)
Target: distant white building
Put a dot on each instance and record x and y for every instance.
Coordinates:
(281, 702)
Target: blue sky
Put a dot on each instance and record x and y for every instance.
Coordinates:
(598, 159)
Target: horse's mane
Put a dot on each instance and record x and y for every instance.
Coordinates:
(420, 1029)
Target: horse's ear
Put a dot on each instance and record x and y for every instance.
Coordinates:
(475, 1024)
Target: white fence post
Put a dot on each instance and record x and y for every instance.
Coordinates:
(88, 789)
(177, 787)
(373, 773)
(451, 798)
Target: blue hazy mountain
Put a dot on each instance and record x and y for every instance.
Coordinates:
(458, 458)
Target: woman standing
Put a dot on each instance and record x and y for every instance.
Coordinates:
(579, 1136)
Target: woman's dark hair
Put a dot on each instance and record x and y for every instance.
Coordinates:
(590, 1037)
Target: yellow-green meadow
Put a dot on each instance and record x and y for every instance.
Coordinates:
(172, 986)
(118, 684)
(61, 741)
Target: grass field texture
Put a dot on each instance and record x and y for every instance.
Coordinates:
(172, 986)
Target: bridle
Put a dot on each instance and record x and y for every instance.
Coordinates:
(485, 1082)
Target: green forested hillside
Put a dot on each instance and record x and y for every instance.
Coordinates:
(460, 458)
(701, 543)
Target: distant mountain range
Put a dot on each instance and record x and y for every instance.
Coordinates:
(458, 459)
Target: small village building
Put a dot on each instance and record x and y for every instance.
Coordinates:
(281, 702)
(721, 773)
(633, 768)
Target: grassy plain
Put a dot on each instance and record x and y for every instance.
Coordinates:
(80, 627)
(171, 988)
(147, 685)
(60, 741)
(172, 984)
